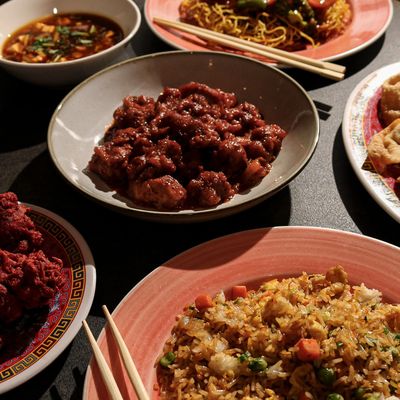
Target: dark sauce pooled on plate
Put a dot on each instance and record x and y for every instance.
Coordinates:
(61, 37)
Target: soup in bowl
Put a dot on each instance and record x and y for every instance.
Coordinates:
(58, 42)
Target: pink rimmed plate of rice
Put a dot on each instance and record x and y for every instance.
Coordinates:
(318, 318)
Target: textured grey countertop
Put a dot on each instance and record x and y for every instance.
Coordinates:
(327, 193)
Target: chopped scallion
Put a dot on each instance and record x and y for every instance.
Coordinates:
(168, 359)
(54, 51)
(386, 330)
(79, 33)
(258, 364)
(64, 30)
(244, 357)
(86, 42)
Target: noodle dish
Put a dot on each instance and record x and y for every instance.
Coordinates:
(287, 24)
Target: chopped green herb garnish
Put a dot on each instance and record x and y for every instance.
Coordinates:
(244, 357)
(41, 40)
(86, 42)
(168, 359)
(64, 30)
(258, 364)
(79, 33)
(339, 345)
(395, 352)
(54, 51)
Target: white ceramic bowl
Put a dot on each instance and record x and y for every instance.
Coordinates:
(280, 99)
(17, 13)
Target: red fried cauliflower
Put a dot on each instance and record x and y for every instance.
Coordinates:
(28, 278)
(17, 230)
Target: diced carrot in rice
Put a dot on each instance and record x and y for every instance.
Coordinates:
(239, 291)
(203, 301)
(308, 350)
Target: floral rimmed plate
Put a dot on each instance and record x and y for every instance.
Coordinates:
(369, 22)
(52, 331)
(147, 313)
(360, 123)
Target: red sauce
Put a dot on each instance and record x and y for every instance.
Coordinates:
(193, 147)
(62, 37)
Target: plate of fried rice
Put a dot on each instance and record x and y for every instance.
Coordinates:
(274, 313)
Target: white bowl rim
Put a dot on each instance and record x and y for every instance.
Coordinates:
(82, 60)
(186, 213)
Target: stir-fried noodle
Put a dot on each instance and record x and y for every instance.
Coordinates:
(268, 27)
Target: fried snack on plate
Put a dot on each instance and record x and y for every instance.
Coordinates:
(390, 101)
(384, 150)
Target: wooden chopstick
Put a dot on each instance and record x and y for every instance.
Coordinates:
(279, 52)
(127, 359)
(105, 371)
(323, 68)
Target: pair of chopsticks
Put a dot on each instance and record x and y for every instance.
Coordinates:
(105, 371)
(323, 68)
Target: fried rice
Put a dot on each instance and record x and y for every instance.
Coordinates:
(252, 347)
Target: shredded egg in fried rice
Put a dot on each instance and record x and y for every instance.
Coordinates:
(310, 337)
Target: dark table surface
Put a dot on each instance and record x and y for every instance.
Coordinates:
(327, 193)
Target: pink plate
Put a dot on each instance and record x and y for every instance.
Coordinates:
(146, 315)
(49, 333)
(370, 20)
